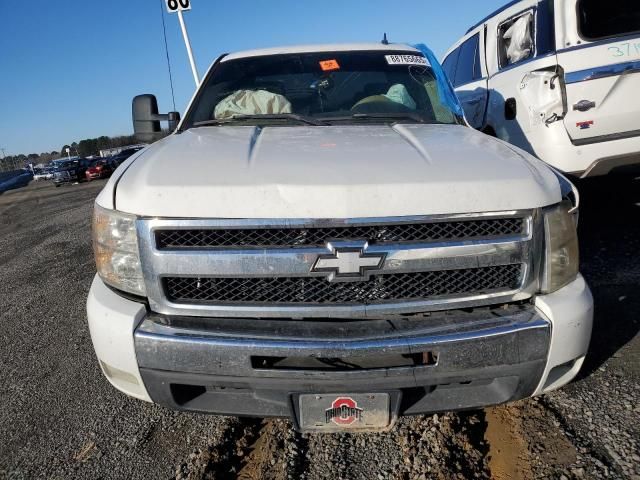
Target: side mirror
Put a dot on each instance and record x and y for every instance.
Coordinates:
(146, 119)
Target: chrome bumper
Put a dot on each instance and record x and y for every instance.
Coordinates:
(484, 357)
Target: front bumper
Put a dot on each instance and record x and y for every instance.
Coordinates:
(478, 358)
(482, 359)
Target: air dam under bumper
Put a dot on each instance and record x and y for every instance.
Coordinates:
(259, 367)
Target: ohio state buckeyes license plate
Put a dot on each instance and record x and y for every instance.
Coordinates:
(333, 412)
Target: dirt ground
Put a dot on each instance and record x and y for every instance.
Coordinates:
(61, 419)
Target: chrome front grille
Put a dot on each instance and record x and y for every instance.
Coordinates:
(269, 267)
(316, 236)
(317, 291)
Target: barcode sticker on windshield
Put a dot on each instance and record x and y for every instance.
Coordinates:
(406, 60)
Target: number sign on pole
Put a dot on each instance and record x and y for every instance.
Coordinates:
(179, 6)
(174, 6)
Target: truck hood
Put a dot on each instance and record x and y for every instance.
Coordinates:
(331, 172)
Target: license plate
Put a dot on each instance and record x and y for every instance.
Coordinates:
(337, 412)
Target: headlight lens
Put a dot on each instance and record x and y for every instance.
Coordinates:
(562, 254)
(115, 246)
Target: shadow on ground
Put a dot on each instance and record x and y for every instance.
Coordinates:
(610, 255)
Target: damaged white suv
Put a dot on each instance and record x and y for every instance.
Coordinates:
(559, 79)
(324, 238)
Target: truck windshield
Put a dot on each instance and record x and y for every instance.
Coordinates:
(323, 89)
(598, 19)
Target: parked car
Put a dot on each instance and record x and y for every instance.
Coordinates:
(558, 78)
(324, 238)
(42, 174)
(18, 179)
(70, 171)
(123, 155)
(99, 169)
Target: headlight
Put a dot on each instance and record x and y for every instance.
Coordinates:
(561, 240)
(115, 246)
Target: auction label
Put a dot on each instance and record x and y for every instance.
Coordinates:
(406, 60)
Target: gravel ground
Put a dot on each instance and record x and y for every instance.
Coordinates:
(59, 418)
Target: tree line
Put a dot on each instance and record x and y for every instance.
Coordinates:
(83, 148)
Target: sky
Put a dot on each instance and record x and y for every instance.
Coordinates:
(70, 68)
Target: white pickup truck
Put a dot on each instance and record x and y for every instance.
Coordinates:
(324, 238)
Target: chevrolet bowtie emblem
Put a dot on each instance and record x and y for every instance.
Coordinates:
(348, 261)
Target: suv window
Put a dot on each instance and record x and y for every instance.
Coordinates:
(516, 40)
(450, 63)
(598, 19)
(468, 68)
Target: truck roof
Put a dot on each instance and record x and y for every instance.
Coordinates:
(339, 47)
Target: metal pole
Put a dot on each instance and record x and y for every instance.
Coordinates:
(187, 43)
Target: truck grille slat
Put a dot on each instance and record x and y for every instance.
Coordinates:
(316, 290)
(292, 237)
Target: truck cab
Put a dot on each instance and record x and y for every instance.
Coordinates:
(557, 78)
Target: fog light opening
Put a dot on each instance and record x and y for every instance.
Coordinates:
(558, 375)
(116, 375)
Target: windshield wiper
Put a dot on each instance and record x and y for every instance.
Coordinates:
(271, 116)
(394, 117)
